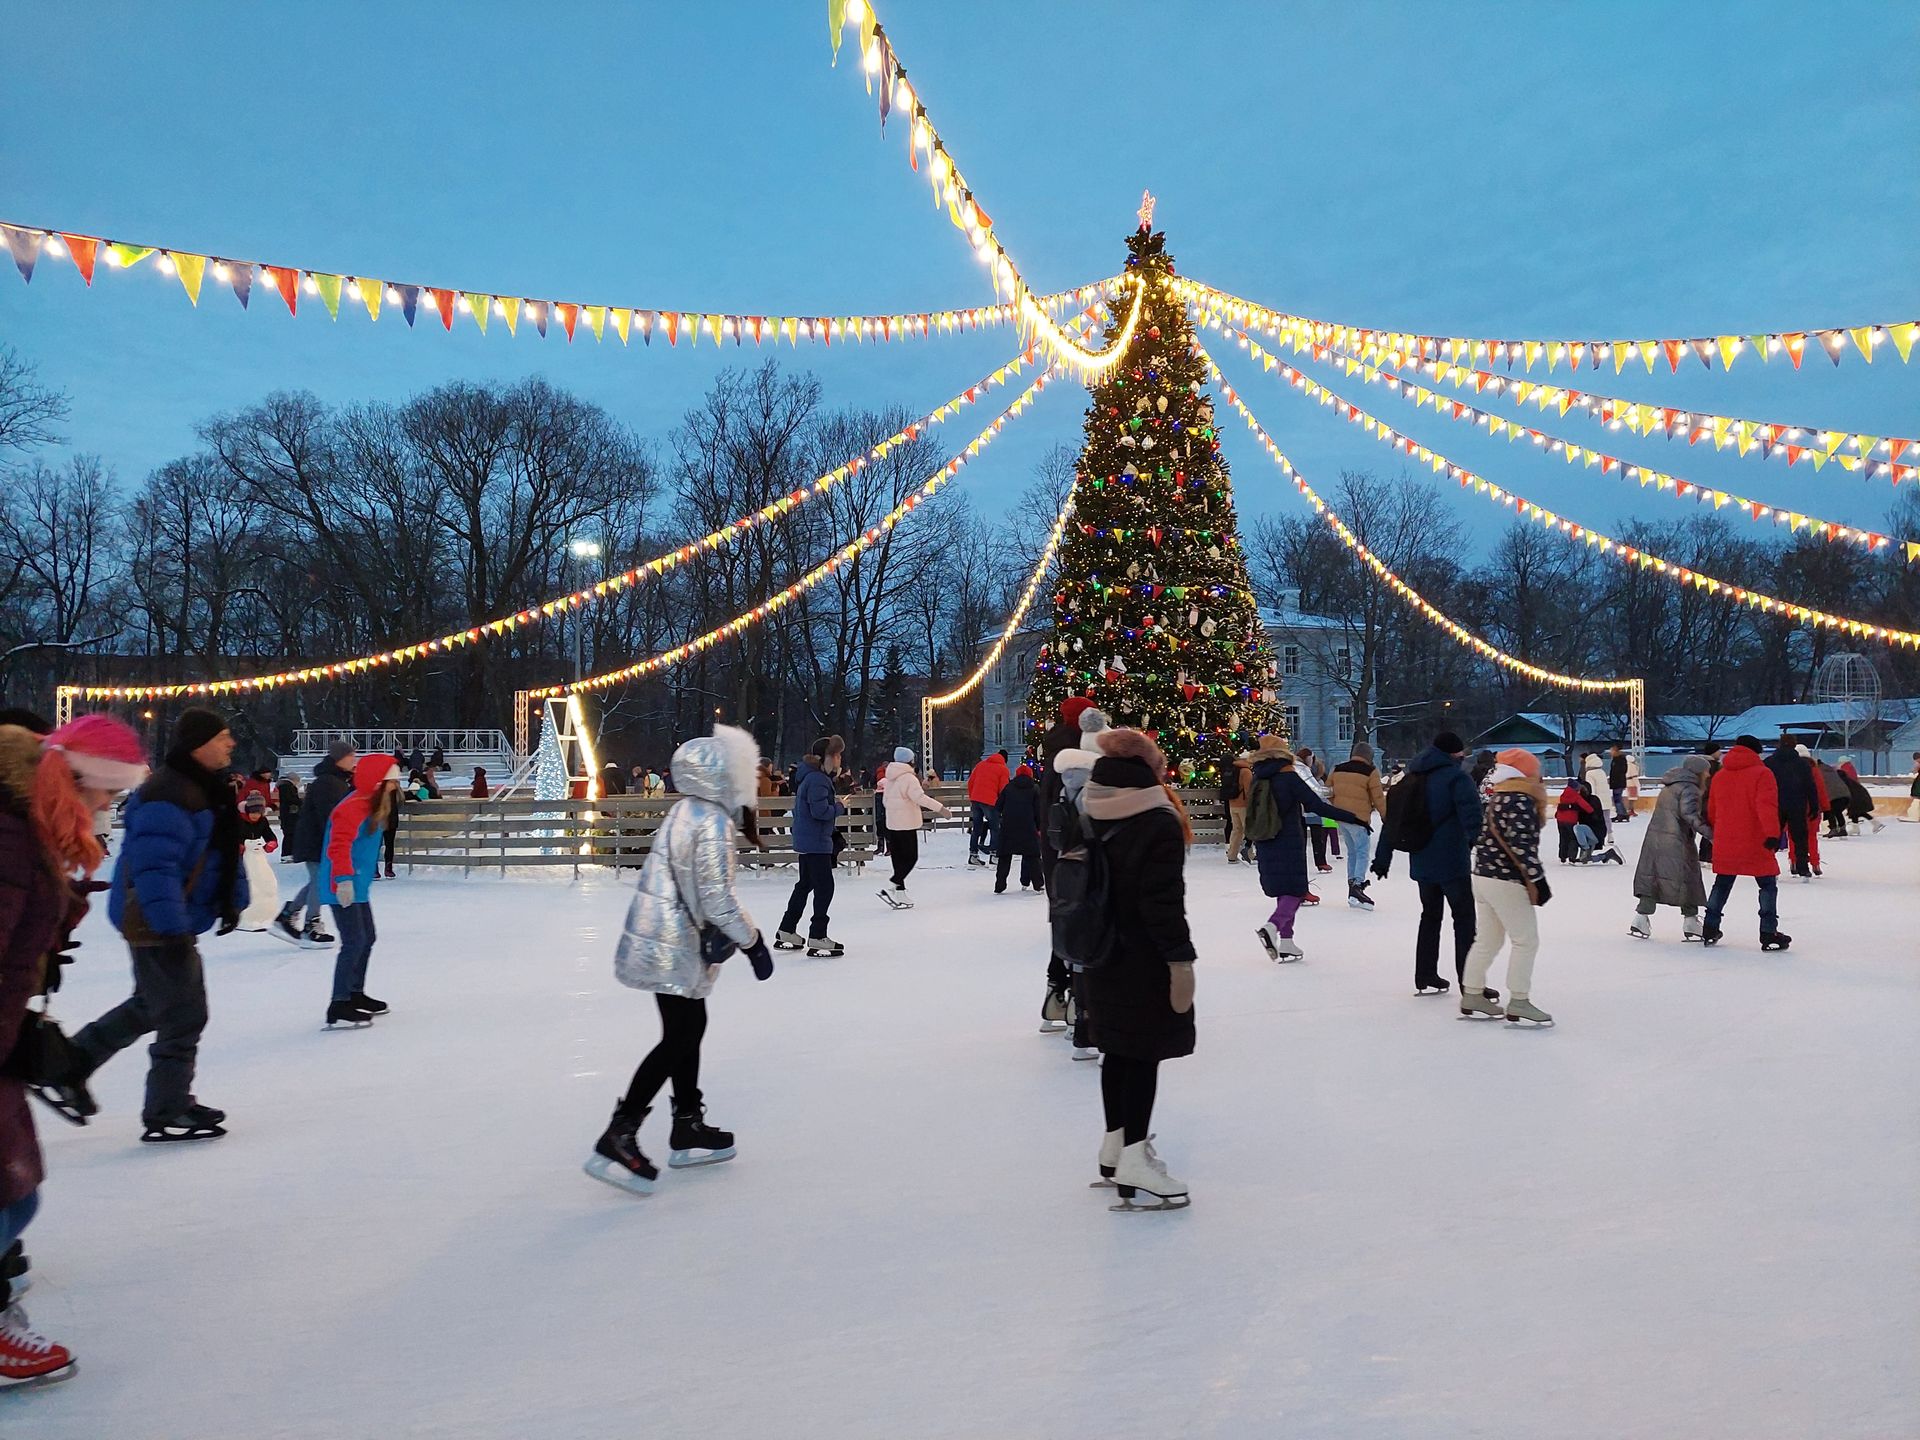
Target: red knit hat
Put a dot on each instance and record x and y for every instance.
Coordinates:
(1072, 707)
(101, 752)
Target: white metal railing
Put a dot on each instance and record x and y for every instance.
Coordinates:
(383, 740)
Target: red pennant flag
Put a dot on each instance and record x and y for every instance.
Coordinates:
(1796, 347)
(824, 329)
(1698, 432)
(758, 321)
(1794, 452)
(443, 302)
(1668, 419)
(1459, 409)
(83, 249)
(287, 282)
(1674, 349)
(1607, 462)
(1897, 448)
(673, 327)
(1574, 352)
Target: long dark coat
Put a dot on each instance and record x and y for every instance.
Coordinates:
(1668, 870)
(1019, 807)
(34, 911)
(1283, 859)
(1129, 999)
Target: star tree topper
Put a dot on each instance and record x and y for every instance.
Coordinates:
(1146, 209)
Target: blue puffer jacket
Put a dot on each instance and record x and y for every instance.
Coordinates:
(814, 808)
(168, 825)
(1454, 807)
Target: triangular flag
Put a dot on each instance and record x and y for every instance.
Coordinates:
(836, 22)
(329, 288)
(596, 317)
(129, 255)
(510, 312)
(1674, 349)
(287, 282)
(1913, 550)
(1729, 346)
(539, 314)
(569, 314)
(1836, 343)
(372, 292)
(480, 306)
(241, 274)
(673, 327)
(409, 302)
(1902, 334)
(191, 269)
(1796, 347)
(1703, 349)
(443, 302)
(714, 322)
(1863, 341)
(25, 245)
(83, 249)
(790, 328)
(622, 319)
(1649, 351)
(1720, 424)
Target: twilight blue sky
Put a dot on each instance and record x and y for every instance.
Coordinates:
(1592, 169)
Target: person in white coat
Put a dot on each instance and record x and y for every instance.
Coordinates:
(907, 804)
(263, 886)
(683, 923)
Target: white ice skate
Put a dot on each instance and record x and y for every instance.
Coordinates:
(1053, 1012)
(1141, 1172)
(787, 940)
(1085, 1052)
(826, 947)
(897, 899)
(1280, 948)
(1111, 1144)
(1690, 928)
(1642, 926)
(1475, 1006)
(1520, 1008)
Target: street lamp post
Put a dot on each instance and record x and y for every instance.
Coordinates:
(582, 550)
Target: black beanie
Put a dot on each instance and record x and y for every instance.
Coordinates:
(1448, 743)
(1750, 742)
(194, 728)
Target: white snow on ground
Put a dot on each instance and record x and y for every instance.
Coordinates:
(1687, 1211)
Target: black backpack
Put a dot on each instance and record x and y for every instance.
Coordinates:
(1409, 824)
(1079, 893)
(1230, 782)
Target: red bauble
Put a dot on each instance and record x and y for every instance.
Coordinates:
(1238, 668)
(1153, 332)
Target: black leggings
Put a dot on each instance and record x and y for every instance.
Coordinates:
(1127, 1088)
(677, 1057)
(904, 845)
(1796, 826)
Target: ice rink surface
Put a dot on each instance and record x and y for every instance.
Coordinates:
(1688, 1210)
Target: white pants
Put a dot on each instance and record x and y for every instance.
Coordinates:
(1501, 912)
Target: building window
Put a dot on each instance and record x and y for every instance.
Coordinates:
(1344, 728)
(1343, 662)
(1290, 659)
(1290, 717)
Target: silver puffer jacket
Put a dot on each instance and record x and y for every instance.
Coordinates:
(687, 881)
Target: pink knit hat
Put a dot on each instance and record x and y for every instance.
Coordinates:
(1525, 761)
(101, 751)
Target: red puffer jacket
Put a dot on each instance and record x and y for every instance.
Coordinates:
(1743, 807)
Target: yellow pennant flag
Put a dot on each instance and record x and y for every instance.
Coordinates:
(1913, 550)
(596, 316)
(1863, 341)
(1729, 347)
(371, 292)
(1903, 338)
(510, 312)
(481, 306)
(622, 322)
(1834, 440)
(1532, 352)
(1572, 453)
(1523, 390)
(190, 269)
(1622, 352)
(1592, 458)
(1648, 350)
(1743, 436)
(789, 327)
(329, 288)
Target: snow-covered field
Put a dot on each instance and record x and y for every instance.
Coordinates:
(1689, 1210)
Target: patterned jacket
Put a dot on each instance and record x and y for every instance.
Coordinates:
(1513, 815)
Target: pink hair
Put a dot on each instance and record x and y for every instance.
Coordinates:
(60, 815)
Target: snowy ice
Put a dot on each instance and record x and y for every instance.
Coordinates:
(1688, 1210)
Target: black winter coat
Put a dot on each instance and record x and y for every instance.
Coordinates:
(1061, 737)
(1794, 777)
(1129, 999)
(1283, 859)
(1019, 810)
(1617, 772)
(330, 786)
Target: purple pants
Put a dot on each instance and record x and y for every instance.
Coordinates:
(1285, 907)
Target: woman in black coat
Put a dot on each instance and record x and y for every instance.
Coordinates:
(1141, 999)
(1283, 856)
(1018, 809)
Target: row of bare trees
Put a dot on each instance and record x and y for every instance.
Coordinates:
(300, 532)
(1566, 607)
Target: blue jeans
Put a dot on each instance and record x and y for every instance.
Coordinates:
(14, 1217)
(1359, 842)
(356, 945)
(309, 896)
(986, 821)
(1769, 897)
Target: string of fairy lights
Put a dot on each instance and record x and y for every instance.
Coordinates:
(1414, 599)
(1618, 550)
(1498, 426)
(1042, 566)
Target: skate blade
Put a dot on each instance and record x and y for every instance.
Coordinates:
(608, 1173)
(66, 1112)
(332, 1025)
(50, 1377)
(1482, 1015)
(825, 954)
(1133, 1206)
(783, 945)
(689, 1159)
(277, 933)
(1052, 1027)
(1530, 1022)
(162, 1137)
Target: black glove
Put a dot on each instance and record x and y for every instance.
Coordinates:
(1772, 842)
(761, 961)
(229, 923)
(1379, 869)
(1542, 892)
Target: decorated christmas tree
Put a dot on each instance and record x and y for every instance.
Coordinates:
(1154, 617)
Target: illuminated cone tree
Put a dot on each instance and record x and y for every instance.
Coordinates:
(1154, 618)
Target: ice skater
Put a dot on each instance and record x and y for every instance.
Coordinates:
(258, 842)
(1016, 826)
(307, 843)
(816, 842)
(684, 922)
(907, 804)
(1142, 996)
(1743, 811)
(356, 831)
(1668, 870)
(1276, 823)
(1509, 885)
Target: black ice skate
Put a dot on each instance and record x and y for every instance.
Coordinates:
(694, 1141)
(69, 1098)
(1053, 1012)
(897, 899)
(315, 935)
(367, 1003)
(617, 1159)
(1775, 940)
(283, 928)
(1431, 987)
(196, 1122)
(1710, 935)
(348, 1013)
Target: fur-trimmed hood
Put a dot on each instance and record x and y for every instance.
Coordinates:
(19, 758)
(1124, 744)
(723, 767)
